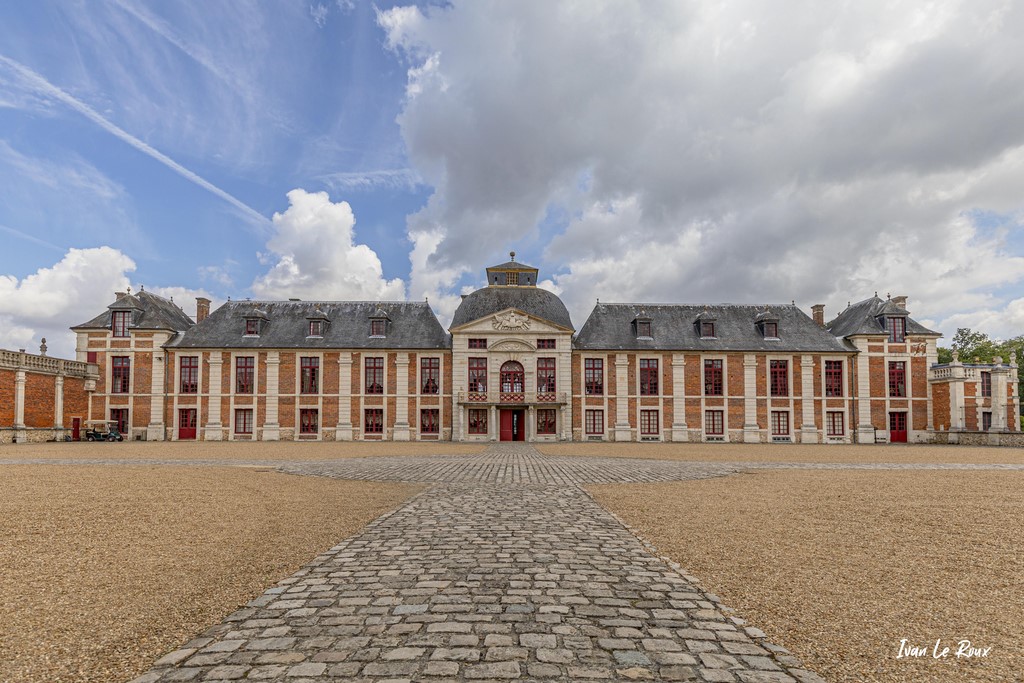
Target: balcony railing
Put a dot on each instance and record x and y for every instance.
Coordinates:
(517, 397)
(46, 364)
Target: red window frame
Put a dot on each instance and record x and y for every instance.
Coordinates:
(643, 328)
(478, 420)
(986, 384)
(833, 378)
(119, 321)
(897, 378)
(714, 422)
(649, 422)
(189, 375)
(90, 356)
(316, 328)
(378, 328)
(595, 421)
(309, 421)
(252, 326)
(897, 329)
(245, 374)
(835, 423)
(713, 385)
(648, 376)
(986, 420)
(120, 416)
(243, 420)
(310, 375)
(478, 343)
(430, 422)
(779, 371)
(546, 421)
(707, 330)
(780, 423)
(545, 343)
(430, 375)
(593, 377)
(374, 375)
(120, 374)
(545, 375)
(478, 375)
(373, 421)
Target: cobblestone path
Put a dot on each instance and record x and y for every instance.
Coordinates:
(504, 570)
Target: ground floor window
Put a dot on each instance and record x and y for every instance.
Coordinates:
(649, 422)
(478, 421)
(373, 421)
(986, 420)
(546, 421)
(834, 423)
(429, 423)
(595, 421)
(120, 416)
(309, 421)
(714, 422)
(243, 421)
(780, 423)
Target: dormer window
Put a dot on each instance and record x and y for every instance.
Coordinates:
(897, 327)
(377, 328)
(771, 330)
(316, 328)
(707, 330)
(119, 323)
(512, 278)
(642, 328)
(252, 327)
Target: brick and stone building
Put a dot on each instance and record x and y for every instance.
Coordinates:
(512, 366)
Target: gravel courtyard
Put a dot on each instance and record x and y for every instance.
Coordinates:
(114, 554)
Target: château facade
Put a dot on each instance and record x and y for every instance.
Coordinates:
(512, 366)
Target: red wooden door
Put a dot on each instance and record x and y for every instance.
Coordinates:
(506, 432)
(76, 428)
(187, 423)
(897, 427)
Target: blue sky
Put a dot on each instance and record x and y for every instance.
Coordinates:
(634, 152)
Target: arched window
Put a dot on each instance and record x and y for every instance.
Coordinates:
(511, 377)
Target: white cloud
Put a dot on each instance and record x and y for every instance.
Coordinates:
(314, 255)
(728, 151)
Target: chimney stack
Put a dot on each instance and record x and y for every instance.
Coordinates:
(900, 301)
(818, 313)
(202, 308)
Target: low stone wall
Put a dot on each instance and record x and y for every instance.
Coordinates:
(1009, 439)
(31, 435)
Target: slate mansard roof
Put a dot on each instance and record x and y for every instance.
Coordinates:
(540, 303)
(285, 325)
(610, 326)
(868, 316)
(149, 312)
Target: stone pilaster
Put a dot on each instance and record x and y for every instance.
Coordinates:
(1000, 374)
(343, 431)
(680, 432)
(272, 425)
(155, 428)
(213, 429)
(621, 431)
(58, 403)
(401, 431)
(865, 430)
(20, 435)
(751, 432)
(808, 430)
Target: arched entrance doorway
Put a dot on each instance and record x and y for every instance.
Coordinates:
(513, 421)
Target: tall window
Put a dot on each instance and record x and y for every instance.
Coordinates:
(897, 378)
(375, 375)
(780, 377)
(897, 329)
(545, 375)
(119, 323)
(986, 384)
(377, 328)
(120, 417)
(478, 343)
(834, 423)
(477, 420)
(595, 422)
(309, 421)
(245, 370)
(120, 374)
(833, 378)
(593, 377)
(430, 375)
(545, 343)
(780, 423)
(648, 377)
(649, 422)
(310, 378)
(714, 422)
(713, 377)
(429, 422)
(243, 421)
(189, 375)
(373, 421)
(546, 421)
(512, 376)
(478, 375)
(986, 420)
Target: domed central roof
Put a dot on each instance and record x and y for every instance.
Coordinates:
(539, 303)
